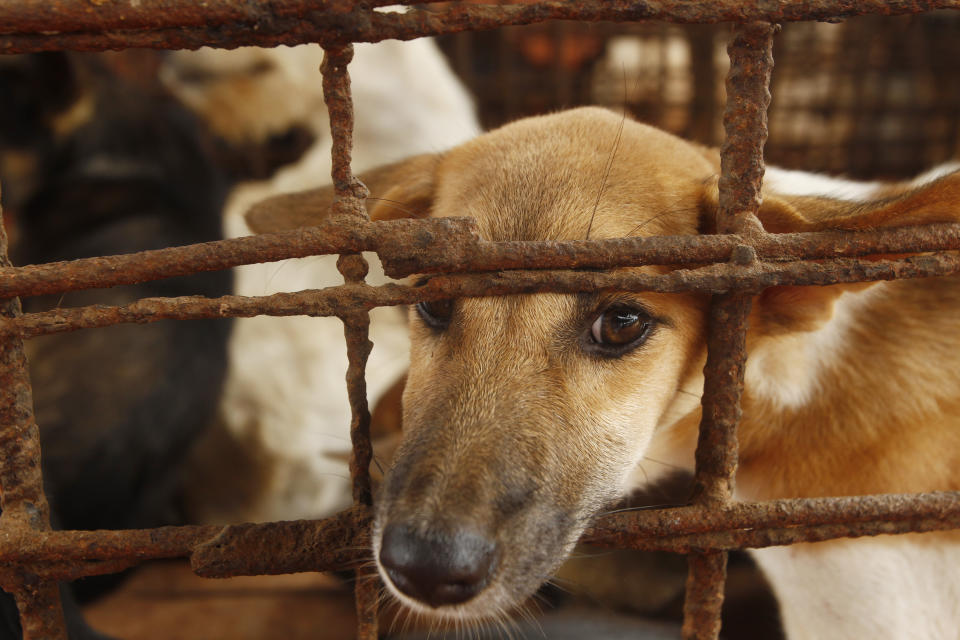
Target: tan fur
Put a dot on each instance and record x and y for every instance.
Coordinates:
(513, 428)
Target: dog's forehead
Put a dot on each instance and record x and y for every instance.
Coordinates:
(553, 177)
(520, 320)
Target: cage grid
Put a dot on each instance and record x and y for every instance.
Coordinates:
(870, 97)
(732, 267)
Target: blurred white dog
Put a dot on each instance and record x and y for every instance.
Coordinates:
(281, 448)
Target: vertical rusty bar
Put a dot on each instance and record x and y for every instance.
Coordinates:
(21, 484)
(336, 93)
(367, 591)
(701, 608)
(745, 124)
(41, 614)
(716, 455)
(350, 194)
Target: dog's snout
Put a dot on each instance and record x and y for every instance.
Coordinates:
(437, 568)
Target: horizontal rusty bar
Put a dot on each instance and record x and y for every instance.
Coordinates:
(777, 522)
(339, 542)
(664, 250)
(443, 245)
(658, 523)
(762, 538)
(333, 543)
(50, 17)
(346, 299)
(75, 24)
(337, 235)
(342, 542)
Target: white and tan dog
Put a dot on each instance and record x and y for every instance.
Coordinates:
(525, 415)
(280, 450)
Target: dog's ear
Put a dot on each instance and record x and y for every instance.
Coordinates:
(400, 190)
(896, 206)
(799, 308)
(902, 206)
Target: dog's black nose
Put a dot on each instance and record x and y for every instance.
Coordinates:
(437, 568)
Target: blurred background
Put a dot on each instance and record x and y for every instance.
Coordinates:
(870, 97)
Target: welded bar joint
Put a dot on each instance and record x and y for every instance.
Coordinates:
(341, 541)
(24, 505)
(342, 300)
(446, 245)
(741, 164)
(349, 202)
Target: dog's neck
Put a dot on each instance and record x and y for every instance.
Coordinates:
(866, 403)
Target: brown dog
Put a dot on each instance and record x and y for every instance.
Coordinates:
(524, 415)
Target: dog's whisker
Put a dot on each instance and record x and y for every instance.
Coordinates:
(581, 555)
(606, 173)
(653, 218)
(665, 464)
(646, 507)
(396, 205)
(646, 477)
(564, 585)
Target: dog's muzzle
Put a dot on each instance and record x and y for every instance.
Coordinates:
(437, 567)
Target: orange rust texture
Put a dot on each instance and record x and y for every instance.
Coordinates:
(39, 25)
(349, 202)
(24, 504)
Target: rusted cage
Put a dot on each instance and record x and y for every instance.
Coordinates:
(867, 97)
(737, 265)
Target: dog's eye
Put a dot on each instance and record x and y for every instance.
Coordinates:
(619, 328)
(436, 314)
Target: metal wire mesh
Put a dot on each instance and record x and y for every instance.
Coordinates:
(736, 266)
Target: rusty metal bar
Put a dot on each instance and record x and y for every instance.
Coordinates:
(704, 599)
(341, 541)
(349, 201)
(861, 513)
(350, 195)
(331, 236)
(337, 542)
(664, 250)
(745, 125)
(443, 245)
(729, 540)
(73, 24)
(38, 602)
(716, 454)
(24, 505)
(340, 300)
(741, 166)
